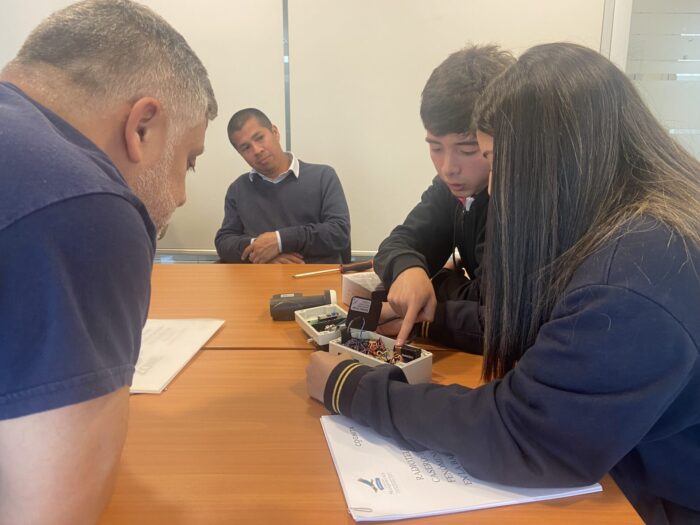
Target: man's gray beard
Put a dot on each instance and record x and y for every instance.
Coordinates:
(154, 190)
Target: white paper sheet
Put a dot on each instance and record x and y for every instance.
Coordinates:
(383, 482)
(167, 345)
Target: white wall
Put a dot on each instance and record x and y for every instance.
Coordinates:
(357, 70)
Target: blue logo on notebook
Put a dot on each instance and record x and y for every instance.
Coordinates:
(375, 484)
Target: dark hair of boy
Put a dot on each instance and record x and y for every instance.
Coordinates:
(453, 88)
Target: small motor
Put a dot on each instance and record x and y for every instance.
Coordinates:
(283, 305)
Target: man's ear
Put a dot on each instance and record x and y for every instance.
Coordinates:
(275, 132)
(145, 126)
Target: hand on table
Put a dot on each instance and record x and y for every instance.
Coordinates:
(263, 249)
(289, 258)
(320, 366)
(412, 297)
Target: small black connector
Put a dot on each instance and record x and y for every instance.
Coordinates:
(409, 353)
(323, 325)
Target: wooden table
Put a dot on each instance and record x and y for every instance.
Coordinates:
(235, 439)
(239, 294)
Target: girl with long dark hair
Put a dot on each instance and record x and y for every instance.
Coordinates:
(592, 294)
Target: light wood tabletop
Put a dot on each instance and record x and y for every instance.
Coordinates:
(240, 294)
(235, 439)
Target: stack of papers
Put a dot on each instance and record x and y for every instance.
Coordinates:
(167, 345)
(383, 482)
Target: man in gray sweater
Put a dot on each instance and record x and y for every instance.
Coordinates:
(283, 210)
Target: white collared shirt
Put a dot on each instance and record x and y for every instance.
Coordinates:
(293, 169)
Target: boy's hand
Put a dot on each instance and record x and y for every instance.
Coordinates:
(413, 298)
(389, 321)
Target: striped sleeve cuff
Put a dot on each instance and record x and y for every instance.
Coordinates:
(422, 329)
(341, 386)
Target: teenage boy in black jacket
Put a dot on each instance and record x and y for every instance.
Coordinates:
(426, 282)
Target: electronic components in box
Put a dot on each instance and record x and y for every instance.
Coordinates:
(321, 323)
(370, 348)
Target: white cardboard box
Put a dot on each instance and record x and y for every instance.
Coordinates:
(419, 370)
(359, 285)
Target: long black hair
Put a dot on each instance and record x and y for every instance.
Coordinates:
(577, 156)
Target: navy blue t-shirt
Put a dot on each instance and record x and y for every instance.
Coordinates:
(76, 251)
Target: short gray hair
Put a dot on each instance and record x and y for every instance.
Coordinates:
(122, 50)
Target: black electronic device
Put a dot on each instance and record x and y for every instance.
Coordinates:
(364, 313)
(283, 305)
(408, 353)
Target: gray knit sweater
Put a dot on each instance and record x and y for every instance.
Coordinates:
(309, 211)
